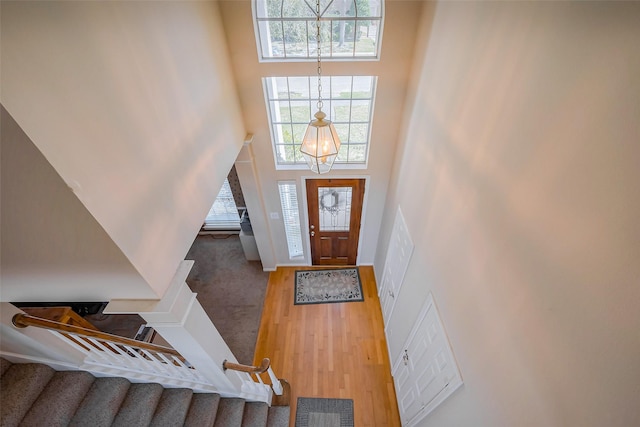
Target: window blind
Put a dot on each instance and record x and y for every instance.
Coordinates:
(224, 212)
(291, 217)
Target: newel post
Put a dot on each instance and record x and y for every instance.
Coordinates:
(180, 319)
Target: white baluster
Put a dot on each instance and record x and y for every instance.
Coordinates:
(259, 378)
(100, 352)
(73, 341)
(150, 362)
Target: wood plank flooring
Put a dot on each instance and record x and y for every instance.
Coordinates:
(329, 350)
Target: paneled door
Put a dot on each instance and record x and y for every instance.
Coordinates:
(395, 266)
(335, 210)
(426, 372)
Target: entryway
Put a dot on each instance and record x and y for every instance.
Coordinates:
(335, 210)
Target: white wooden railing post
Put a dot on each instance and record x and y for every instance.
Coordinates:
(257, 383)
(181, 321)
(275, 382)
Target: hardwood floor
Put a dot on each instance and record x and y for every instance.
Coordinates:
(329, 350)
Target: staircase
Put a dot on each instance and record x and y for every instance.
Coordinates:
(36, 395)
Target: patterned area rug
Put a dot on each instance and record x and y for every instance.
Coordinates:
(316, 412)
(325, 286)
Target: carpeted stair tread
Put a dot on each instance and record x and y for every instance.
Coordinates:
(255, 414)
(101, 403)
(172, 408)
(21, 385)
(202, 412)
(279, 416)
(139, 405)
(4, 365)
(59, 400)
(35, 395)
(230, 412)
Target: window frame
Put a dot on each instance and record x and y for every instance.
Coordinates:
(287, 219)
(276, 128)
(327, 54)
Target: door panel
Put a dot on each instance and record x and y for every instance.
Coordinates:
(408, 397)
(335, 209)
(425, 373)
(395, 267)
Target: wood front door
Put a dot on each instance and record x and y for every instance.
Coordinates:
(335, 208)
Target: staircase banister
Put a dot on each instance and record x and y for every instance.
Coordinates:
(22, 320)
(247, 368)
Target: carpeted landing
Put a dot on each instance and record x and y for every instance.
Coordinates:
(36, 395)
(230, 289)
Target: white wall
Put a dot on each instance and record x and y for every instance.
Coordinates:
(519, 184)
(52, 249)
(133, 104)
(401, 21)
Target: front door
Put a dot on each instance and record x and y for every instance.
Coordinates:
(335, 208)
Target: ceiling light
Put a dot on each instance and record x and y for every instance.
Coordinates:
(321, 143)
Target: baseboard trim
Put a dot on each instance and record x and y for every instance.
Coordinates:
(217, 232)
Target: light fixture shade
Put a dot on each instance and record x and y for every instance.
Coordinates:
(321, 144)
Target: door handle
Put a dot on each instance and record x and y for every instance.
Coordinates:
(313, 233)
(391, 294)
(405, 358)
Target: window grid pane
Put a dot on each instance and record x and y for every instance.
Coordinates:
(291, 217)
(286, 29)
(292, 101)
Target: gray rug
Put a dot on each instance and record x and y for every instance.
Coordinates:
(326, 286)
(317, 412)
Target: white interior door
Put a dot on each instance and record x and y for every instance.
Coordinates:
(395, 266)
(426, 372)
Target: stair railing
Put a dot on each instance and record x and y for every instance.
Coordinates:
(115, 355)
(254, 384)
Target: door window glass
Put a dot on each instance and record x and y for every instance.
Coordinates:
(334, 205)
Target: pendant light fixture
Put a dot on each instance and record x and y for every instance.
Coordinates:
(321, 143)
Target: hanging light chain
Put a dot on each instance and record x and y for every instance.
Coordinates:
(319, 55)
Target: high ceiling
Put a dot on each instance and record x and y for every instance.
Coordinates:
(392, 70)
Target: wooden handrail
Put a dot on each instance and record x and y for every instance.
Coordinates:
(247, 368)
(22, 320)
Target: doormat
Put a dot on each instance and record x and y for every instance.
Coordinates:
(317, 412)
(326, 286)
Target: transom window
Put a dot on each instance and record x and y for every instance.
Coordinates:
(286, 29)
(347, 102)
